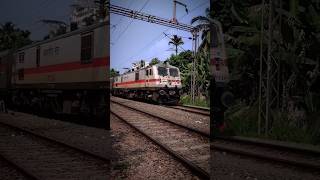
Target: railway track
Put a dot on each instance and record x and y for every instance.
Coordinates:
(266, 151)
(204, 131)
(192, 109)
(302, 158)
(39, 157)
(187, 145)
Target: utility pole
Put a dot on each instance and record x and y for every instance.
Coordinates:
(269, 69)
(174, 19)
(193, 87)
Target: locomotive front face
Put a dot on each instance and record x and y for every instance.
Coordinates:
(169, 77)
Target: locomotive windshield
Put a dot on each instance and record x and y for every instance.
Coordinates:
(162, 71)
(174, 72)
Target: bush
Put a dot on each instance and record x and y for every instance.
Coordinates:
(242, 120)
(186, 100)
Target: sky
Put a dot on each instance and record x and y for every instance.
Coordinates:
(131, 40)
(25, 14)
(134, 40)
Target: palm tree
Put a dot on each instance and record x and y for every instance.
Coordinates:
(204, 26)
(176, 41)
(114, 73)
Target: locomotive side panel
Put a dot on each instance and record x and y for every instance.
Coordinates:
(79, 58)
(64, 76)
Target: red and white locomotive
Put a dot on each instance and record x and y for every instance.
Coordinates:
(66, 74)
(160, 83)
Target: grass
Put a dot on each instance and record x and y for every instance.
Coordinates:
(186, 100)
(242, 120)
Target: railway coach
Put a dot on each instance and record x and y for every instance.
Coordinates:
(160, 83)
(66, 74)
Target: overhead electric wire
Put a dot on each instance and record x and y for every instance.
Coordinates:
(121, 17)
(152, 41)
(130, 22)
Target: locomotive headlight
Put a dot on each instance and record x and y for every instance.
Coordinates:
(172, 93)
(162, 92)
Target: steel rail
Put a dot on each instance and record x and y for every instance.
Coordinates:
(46, 138)
(191, 109)
(193, 167)
(304, 165)
(20, 168)
(161, 118)
(244, 141)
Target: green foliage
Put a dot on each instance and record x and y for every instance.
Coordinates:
(176, 41)
(186, 100)
(183, 62)
(154, 61)
(113, 72)
(102, 8)
(242, 120)
(12, 37)
(296, 46)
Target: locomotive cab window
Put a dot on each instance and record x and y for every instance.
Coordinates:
(174, 72)
(147, 72)
(137, 76)
(86, 48)
(162, 71)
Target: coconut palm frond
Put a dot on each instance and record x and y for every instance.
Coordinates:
(199, 19)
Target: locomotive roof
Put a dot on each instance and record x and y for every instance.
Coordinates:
(78, 31)
(157, 65)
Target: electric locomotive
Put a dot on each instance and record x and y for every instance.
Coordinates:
(64, 75)
(160, 83)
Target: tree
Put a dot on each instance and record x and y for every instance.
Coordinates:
(88, 20)
(204, 26)
(113, 73)
(184, 62)
(295, 48)
(176, 41)
(12, 37)
(102, 8)
(154, 61)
